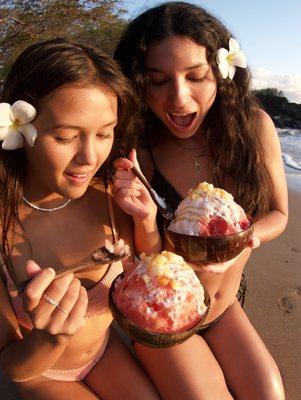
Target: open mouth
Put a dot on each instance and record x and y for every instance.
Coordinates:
(182, 120)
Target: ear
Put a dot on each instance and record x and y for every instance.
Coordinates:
(31, 268)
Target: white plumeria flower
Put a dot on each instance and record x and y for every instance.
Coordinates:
(14, 124)
(228, 60)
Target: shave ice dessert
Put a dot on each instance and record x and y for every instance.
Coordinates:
(209, 211)
(162, 294)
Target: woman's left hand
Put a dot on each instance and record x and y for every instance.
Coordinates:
(220, 268)
(129, 193)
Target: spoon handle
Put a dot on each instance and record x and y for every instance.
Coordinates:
(164, 208)
(98, 257)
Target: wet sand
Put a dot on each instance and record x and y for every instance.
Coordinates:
(273, 299)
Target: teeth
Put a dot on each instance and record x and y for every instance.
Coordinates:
(179, 115)
(182, 120)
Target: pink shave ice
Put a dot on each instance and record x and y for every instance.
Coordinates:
(162, 294)
(209, 211)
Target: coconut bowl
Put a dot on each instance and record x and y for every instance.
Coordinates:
(147, 337)
(209, 249)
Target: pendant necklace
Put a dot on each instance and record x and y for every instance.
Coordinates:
(45, 209)
(196, 163)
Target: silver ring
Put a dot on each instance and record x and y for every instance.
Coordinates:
(54, 303)
(62, 309)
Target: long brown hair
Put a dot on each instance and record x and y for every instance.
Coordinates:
(37, 72)
(230, 125)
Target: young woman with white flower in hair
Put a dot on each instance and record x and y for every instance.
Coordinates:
(202, 123)
(64, 111)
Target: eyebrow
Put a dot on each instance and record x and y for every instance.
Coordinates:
(64, 126)
(152, 69)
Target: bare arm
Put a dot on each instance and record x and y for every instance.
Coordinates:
(132, 196)
(32, 355)
(273, 224)
(20, 356)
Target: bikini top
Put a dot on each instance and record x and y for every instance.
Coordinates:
(97, 295)
(164, 189)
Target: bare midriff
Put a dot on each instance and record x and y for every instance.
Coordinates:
(223, 287)
(85, 344)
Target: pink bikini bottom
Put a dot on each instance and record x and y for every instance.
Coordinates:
(77, 374)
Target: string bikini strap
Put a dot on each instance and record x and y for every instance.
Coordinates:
(111, 214)
(4, 273)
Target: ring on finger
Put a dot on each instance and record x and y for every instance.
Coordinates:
(53, 303)
(62, 309)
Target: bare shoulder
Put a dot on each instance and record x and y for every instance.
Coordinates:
(267, 133)
(264, 124)
(145, 162)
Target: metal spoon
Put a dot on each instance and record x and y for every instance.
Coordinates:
(165, 209)
(100, 256)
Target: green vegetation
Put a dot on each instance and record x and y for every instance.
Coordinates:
(23, 22)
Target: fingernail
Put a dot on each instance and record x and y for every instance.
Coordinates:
(51, 270)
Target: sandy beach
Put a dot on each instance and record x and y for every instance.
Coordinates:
(273, 300)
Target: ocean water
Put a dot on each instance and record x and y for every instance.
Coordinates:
(290, 140)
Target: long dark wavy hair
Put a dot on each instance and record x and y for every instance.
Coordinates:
(230, 126)
(37, 72)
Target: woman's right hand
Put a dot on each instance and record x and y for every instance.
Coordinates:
(129, 193)
(65, 319)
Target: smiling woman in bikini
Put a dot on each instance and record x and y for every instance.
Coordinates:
(63, 111)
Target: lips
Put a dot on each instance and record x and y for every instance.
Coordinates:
(77, 178)
(182, 120)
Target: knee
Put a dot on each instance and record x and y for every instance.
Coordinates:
(271, 387)
(265, 386)
(274, 387)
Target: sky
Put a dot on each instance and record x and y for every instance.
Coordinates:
(269, 32)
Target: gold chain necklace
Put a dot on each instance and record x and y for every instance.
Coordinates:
(196, 164)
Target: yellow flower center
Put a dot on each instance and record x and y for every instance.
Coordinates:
(230, 58)
(16, 124)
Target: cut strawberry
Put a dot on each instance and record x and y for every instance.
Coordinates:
(218, 226)
(244, 224)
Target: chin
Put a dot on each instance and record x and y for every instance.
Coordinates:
(73, 194)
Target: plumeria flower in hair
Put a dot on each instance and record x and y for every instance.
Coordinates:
(14, 124)
(228, 60)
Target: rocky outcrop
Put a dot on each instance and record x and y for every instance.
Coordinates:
(283, 113)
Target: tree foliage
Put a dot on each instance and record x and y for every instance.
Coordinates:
(23, 22)
(269, 92)
(272, 100)
(284, 113)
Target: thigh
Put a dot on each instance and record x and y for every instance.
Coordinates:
(45, 389)
(249, 369)
(118, 376)
(187, 371)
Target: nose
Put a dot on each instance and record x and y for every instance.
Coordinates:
(87, 154)
(179, 93)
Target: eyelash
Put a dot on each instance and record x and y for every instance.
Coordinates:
(105, 136)
(65, 141)
(160, 83)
